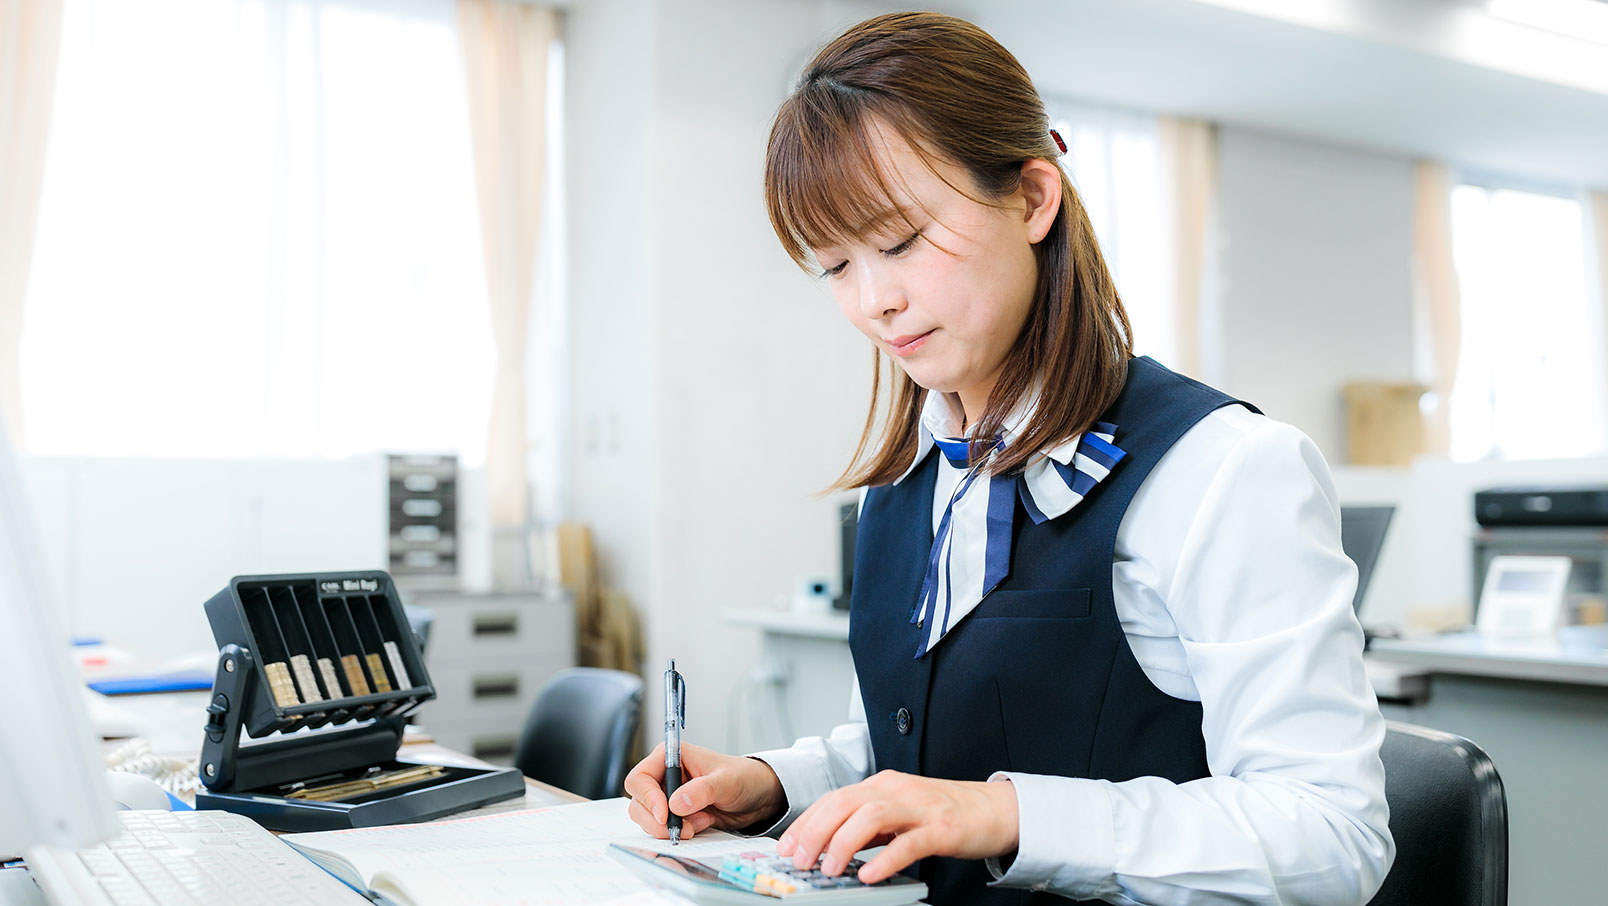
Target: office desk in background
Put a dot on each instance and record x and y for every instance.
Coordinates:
(806, 657)
(1539, 708)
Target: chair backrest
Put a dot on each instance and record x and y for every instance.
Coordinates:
(579, 730)
(1448, 814)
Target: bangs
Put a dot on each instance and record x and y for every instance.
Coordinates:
(826, 178)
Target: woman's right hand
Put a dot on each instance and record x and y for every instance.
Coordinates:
(722, 791)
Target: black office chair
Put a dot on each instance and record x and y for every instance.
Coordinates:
(1448, 814)
(579, 731)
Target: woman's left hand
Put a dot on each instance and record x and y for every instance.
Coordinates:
(915, 816)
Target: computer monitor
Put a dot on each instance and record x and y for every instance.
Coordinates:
(1362, 535)
(52, 782)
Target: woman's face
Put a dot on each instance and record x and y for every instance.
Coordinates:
(948, 294)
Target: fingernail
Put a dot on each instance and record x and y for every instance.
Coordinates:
(659, 816)
(830, 866)
(784, 846)
(679, 800)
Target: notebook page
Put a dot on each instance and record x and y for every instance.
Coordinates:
(545, 857)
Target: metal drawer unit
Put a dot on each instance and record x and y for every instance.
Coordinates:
(488, 657)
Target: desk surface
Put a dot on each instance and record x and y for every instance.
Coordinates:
(1576, 654)
(824, 625)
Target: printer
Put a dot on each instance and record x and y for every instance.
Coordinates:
(1551, 521)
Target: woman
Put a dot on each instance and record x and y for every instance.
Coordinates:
(1101, 621)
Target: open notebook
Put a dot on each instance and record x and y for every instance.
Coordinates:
(545, 857)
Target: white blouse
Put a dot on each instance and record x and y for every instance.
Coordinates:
(1232, 589)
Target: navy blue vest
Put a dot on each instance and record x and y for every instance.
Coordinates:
(1039, 677)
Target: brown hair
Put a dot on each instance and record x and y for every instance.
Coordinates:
(950, 91)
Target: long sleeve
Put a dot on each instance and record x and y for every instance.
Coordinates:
(1235, 540)
(816, 765)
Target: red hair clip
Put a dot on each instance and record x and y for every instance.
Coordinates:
(1058, 142)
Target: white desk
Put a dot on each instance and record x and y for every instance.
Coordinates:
(1576, 654)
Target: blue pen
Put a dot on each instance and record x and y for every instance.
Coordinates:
(675, 718)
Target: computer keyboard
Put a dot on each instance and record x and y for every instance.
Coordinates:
(204, 857)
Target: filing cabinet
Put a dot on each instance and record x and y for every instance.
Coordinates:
(488, 656)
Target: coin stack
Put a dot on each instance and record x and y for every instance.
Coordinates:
(377, 670)
(280, 683)
(332, 681)
(305, 679)
(354, 674)
(394, 654)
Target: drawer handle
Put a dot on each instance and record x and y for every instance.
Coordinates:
(502, 686)
(493, 748)
(496, 624)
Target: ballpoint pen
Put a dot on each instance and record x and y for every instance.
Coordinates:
(675, 718)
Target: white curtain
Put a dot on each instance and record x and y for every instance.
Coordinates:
(30, 32)
(1595, 205)
(1437, 307)
(1189, 159)
(258, 235)
(1117, 165)
(505, 49)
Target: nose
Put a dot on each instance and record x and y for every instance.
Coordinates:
(881, 293)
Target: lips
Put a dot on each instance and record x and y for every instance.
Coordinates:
(907, 343)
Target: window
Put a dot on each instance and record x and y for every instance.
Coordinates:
(1113, 157)
(1527, 381)
(258, 235)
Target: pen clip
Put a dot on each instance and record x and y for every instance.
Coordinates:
(681, 699)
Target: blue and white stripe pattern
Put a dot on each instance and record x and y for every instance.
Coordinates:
(971, 547)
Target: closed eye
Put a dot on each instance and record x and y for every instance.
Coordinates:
(902, 247)
(894, 252)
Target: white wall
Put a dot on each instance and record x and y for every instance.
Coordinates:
(737, 387)
(1315, 276)
(134, 547)
(613, 255)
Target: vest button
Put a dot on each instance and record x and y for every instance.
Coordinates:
(902, 720)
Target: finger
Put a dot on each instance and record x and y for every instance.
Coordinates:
(699, 793)
(696, 824)
(900, 853)
(874, 820)
(809, 835)
(646, 781)
(645, 820)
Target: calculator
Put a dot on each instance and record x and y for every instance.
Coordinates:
(756, 878)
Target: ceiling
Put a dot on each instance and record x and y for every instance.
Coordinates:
(1435, 78)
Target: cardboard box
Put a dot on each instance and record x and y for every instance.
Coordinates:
(1384, 425)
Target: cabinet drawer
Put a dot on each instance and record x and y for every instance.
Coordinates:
(489, 742)
(490, 688)
(473, 629)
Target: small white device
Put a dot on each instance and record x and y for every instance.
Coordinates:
(812, 595)
(1523, 595)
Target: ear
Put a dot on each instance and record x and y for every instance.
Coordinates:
(1041, 194)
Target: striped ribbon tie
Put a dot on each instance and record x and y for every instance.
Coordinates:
(971, 548)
